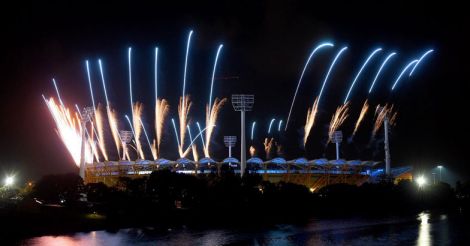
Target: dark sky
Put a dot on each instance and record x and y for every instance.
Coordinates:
(265, 46)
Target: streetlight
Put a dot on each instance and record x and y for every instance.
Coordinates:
(440, 172)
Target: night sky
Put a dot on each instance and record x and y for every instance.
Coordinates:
(265, 47)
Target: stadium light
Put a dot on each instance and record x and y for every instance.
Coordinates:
(9, 180)
(440, 172)
(421, 181)
(243, 103)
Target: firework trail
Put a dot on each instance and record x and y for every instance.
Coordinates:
(100, 129)
(359, 73)
(310, 121)
(69, 130)
(420, 59)
(193, 146)
(129, 56)
(253, 130)
(183, 111)
(279, 126)
(380, 69)
(58, 94)
(202, 139)
(403, 71)
(161, 112)
(270, 125)
(211, 119)
(154, 151)
(301, 76)
(252, 151)
(338, 119)
(365, 108)
(91, 142)
(112, 116)
(381, 114)
(137, 111)
(268, 145)
(184, 81)
(213, 74)
(329, 71)
(180, 151)
(89, 85)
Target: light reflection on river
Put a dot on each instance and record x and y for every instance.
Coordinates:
(422, 229)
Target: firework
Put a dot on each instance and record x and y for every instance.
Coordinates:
(380, 69)
(359, 73)
(183, 110)
(386, 111)
(112, 115)
(211, 119)
(338, 119)
(365, 108)
(68, 129)
(329, 71)
(301, 76)
(403, 71)
(252, 151)
(279, 126)
(184, 80)
(193, 146)
(310, 121)
(100, 129)
(202, 139)
(420, 59)
(152, 150)
(268, 145)
(161, 111)
(253, 129)
(270, 125)
(137, 111)
(213, 74)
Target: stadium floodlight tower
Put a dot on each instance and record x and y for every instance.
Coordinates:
(242, 103)
(388, 172)
(86, 115)
(230, 142)
(337, 138)
(126, 137)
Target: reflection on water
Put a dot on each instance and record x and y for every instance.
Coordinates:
(423, 229)
(424, 236)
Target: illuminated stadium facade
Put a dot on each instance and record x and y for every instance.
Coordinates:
(312, 173)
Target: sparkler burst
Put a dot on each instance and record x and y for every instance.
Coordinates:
(161, 111)
(69, 130)
(136, 119)
(268, 146)
(211, 119)
(310, 121)
(338, 119)
(365, 108)
(381, 113)
(113, 124)
(100, 129)
(252, 151)
(183, 111)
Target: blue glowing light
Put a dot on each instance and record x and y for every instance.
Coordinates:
(359, 73)
(329, 71)
(403, 71)
(380, 69)
(213, 74)
(156, 74)
(253, 129)
(57, 91)
(89, 84)
(103, 82)
(420, 59)
(129, 54)
(130, 124)
(145, 133)
(270, 125)
(186, 66)
(202, 139)
(326, 44)
(279, 126)
(176, 132)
